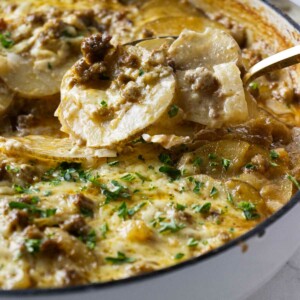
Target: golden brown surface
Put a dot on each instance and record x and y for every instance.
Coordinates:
(176, 186)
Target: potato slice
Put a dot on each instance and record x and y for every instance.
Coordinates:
(38, 54)
(209, 159)
(210, 87)
(50, 149)
(208, 48)
(6, 97)
(176, 24)
(21, 75)
(126, 109)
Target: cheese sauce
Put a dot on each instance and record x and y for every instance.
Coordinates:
(70, 214)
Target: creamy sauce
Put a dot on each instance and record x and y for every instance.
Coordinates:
(71, 214)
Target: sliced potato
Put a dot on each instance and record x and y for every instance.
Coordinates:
(21, 75)
(48, 148)
(129, 107)
(210, 87)
(40, 53)
(244, 192)
(175, 25)
(208, 48)
(6, 97)
(209, 159)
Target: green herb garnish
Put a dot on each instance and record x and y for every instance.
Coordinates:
(249, 210)
(213, 192)
(192, 242)
(128, 177)
(120, 259)
(104, 229)
(173, 111)
(198, 186)
(179, 256)
(6, 41)
(226, 163)
(294, 181)
(203, 209)
(172, 172)
(171, 226)
(32, 245)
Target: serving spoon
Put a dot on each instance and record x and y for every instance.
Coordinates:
(270, 64)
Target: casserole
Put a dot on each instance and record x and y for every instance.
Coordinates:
(233, 258)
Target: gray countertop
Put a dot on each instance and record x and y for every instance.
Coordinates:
(286, 283)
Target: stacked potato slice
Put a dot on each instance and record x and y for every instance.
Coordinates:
(135, 97)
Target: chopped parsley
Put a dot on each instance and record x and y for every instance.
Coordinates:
(212, 156)
(104, 229)
(136, 208)
(250, 166)
(249, 210)
(119, 192)
(129, 177)
(103, 104)
(203, 209)
(91, 239)
(173, 111)
(143, 178)
(197, 161)
(86, 212)
(141, 72)
(165, 159)
(180, 207)
(11, 169)
(192, 242)
(33, 209)
(6, 41)
(32, 245)
(171, 226)
(230, 198)
(226, 163)
(120, 259)
(123, 211)
(254, 85)
(294, 181)
(172, 172)
(70, 172)
(213, 192)
(274, 155)
(113, 163)
(179, 256)
(198, 186)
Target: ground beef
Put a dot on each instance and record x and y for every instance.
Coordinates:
(130, 61)
(76, 225)
(84, 205)
(131, 92)
(32, 232)
(85, 72)
(95, 47)
(202, 80)
(37, 18)
(3, 25)
(17, 219)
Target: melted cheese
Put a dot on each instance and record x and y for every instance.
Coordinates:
(72, 214)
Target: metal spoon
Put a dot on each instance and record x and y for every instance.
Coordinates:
(275, 62)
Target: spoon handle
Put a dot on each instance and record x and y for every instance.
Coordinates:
(275, 62)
